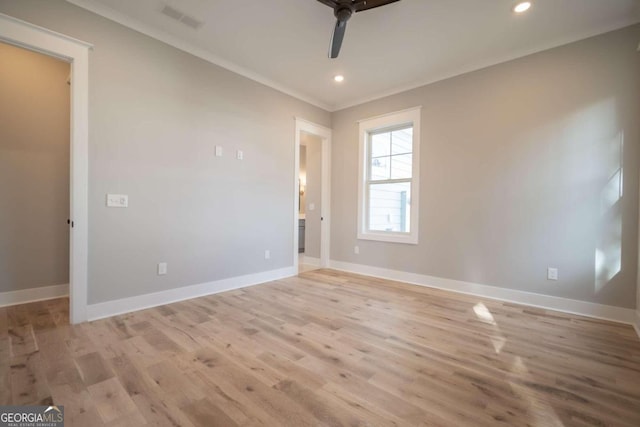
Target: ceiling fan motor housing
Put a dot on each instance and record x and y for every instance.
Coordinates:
(343, 12)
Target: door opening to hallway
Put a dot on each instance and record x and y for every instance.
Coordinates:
(312, 196)
(310, 205)
(35, 172)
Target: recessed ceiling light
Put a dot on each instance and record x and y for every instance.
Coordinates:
(339, 78)
(522, 7)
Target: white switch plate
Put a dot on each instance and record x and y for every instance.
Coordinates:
(239, 155)
(552, 273)
(117, 200)
(356, 250)
(162, 269)
(267, 254)
(218, 151)
(312, 206)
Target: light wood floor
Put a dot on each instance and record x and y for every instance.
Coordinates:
(324, 348)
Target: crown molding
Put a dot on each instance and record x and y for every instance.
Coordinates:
(45, 30)
(163, 36)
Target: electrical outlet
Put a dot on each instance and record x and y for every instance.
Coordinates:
(239, 155)
(267, 254)
(218, 151)
(356, 250)
(162, 269)
(552, 273)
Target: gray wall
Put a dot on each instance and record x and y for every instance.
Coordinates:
(156, 114)
(313, 194)
(517, 163)
(34, 170)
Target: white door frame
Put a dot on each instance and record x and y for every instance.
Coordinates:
(23, 34)
(324, 133)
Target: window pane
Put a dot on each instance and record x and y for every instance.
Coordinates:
(380, 144)
(402, 141)
(401, 166)
(389, 207)
(380, 168)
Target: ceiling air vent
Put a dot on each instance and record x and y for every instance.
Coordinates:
(179, 16)
(191, 22)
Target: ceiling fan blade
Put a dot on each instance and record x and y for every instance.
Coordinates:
(371, 4)
(336, 38)
(331, 3)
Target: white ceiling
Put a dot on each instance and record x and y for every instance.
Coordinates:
(284, 43)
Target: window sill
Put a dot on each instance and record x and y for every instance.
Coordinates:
(409, 239)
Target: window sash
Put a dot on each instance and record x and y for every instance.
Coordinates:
(368, 185)
(391, 155)
(370, 181)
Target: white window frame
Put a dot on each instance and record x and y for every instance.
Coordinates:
(376, 124)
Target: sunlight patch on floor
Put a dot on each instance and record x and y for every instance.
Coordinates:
(541, 412)
(483, 313)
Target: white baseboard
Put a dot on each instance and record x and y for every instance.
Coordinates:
(599, 311)
(33, 294)
(141, 302)
(315, 262)
(636, 324)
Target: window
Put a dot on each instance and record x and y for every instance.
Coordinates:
(389, 177)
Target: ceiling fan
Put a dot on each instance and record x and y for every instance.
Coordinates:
(343, 9)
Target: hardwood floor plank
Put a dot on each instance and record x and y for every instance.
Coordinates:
(79, 406)
(265, 398)
(28, 380)
(22, 341)
(321, 407)
(5, 382)
(112, 401)
(149, 398)
(205, 413)
(324, 348)
(93, 369)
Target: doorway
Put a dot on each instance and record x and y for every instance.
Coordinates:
(312, 196)
(16, 32)
(35, 166)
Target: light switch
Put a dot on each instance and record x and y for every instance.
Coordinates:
(117, 200)
(312, 206)
(239, 155)
(218, 150)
